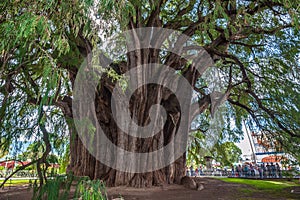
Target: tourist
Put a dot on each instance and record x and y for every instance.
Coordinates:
(187, 171)
(269, 170)
(252, 170)
(232, 170)
(196, 172)
(236, 171)
(191, 171)
(264, 170)
(278, 171)
(246, 170)
(261, 171)
(200, 170)
(239, 170)
(273, 170)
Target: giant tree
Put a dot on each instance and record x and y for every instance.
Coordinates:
(254, 45)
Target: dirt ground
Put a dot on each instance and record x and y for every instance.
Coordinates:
(214, 189)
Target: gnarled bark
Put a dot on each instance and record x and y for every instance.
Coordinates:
(82, 163)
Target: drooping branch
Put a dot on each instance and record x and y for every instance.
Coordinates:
(246, 79)
(271, 114)
(45, 154)
(249, 110)
(38, 161)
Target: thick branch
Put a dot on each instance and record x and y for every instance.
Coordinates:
(199, 107)
(213, 51)
(154, 16)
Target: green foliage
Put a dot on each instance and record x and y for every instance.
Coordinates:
(89, 190)
(33, 151)
(3, 153)
(215, 137)
(35, 37)
(227, 153)
(60, 188)
(64, 160)
(52, 189)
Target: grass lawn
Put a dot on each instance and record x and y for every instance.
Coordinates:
(16, 182)
(263, 184)
(264, 188)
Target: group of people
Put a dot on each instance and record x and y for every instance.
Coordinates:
(264, 171)
(269, 170)
(194, 172)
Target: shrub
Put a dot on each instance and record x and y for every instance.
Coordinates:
(90, 190)
(59, 188)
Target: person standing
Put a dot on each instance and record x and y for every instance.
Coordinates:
(191, 170)
(273, 170)
(264, 170)
(200, 170)
(261, 171)
(278, 171)
(252, 172)
(232, 170)
(246, 170)
(196, 172)
(187, 171)
(269, 170)
(239, 170)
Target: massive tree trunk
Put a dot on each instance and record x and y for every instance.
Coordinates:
(83, 162)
